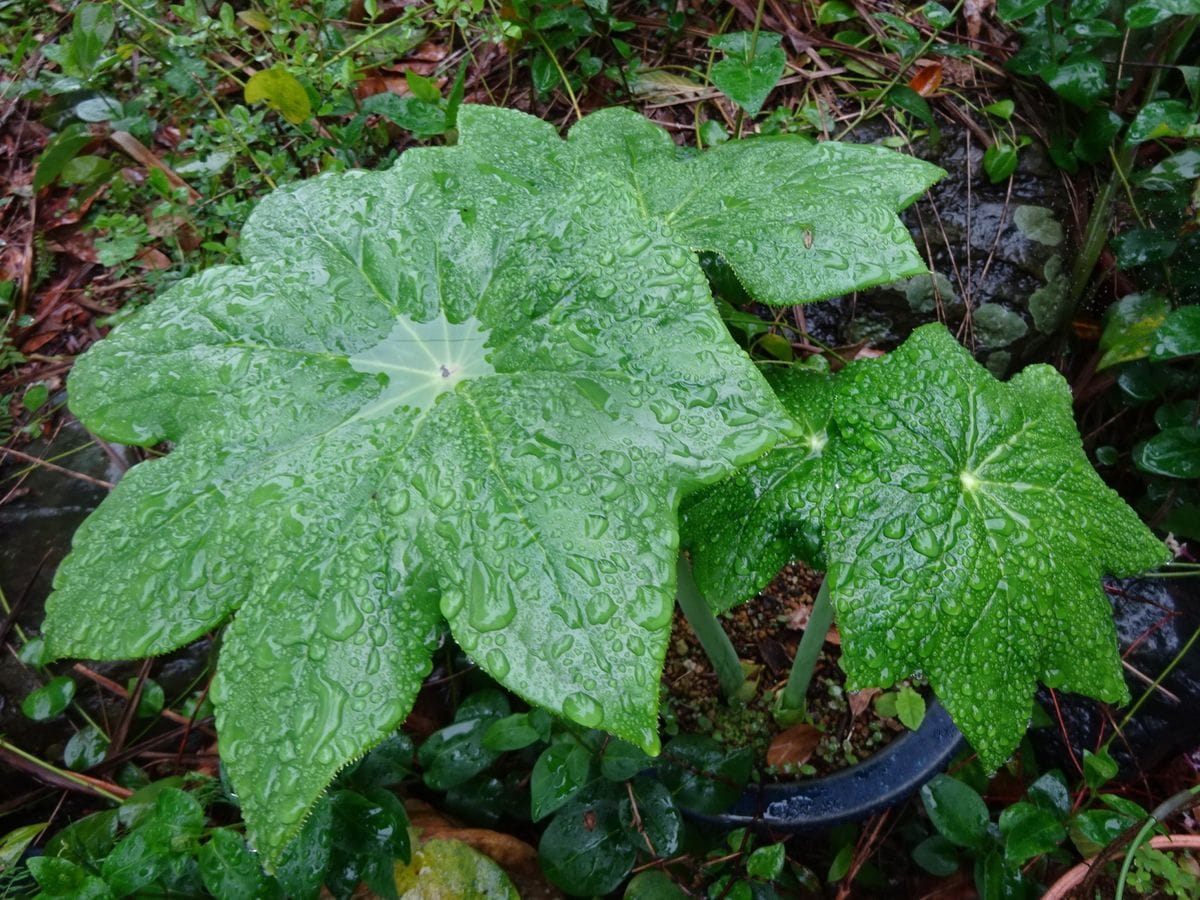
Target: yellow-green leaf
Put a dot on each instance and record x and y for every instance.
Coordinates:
(280, 91)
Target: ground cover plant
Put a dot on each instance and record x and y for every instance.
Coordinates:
(138, 137)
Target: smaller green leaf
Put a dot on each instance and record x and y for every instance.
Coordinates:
(458, 752)
(281, 91)
(1010, 10)
(621, 760)
(370, 821)
(301, 868)
(153, 697)
(423, 119)
(655, 818)
(1129, 327)
(1094, 829)
(1179, 335)
(91, 30)
(833, 11)
(910, 708)
(33, 652)
(653, 884)
(1050, 793)
(513, 732)
(841, 864)
(766, 862)
(886, 705)
(1174, 452)
(1177, 172)
(85, 749)
(49, 700)
(1143, 247)
(1100, 128)
(905, 98)
(63, 147)
(957, 812)
(423, 87)
(35, 397)
(1146, 13)
(558, 775)
(1001, 109)
(702, 775)
(747, 76)
(86, 841)
(228, 868)
(61, 878)
(937, 856)
(586, 849)
(1029, 831)
(1098, 768)
(1159, 119)
(999, 161)
(13, 844)
(995, 879)
(387, 764)
(1081, 80)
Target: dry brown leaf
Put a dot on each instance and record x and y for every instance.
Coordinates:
(927, 80)
(794, 746)
(860, 701)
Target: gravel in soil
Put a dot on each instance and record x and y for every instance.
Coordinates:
(765, 632)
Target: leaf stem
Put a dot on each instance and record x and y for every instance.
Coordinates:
(713, 639)
(19, 759)
(809, 650)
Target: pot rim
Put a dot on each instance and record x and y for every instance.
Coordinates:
(883, 780)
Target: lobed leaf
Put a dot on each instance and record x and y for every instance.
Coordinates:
(967, 536)
(744, 529)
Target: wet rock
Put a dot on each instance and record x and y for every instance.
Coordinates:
(1156, 617)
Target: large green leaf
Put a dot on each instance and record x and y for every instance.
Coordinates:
(743, 530)
(967, 535)
(474, 386)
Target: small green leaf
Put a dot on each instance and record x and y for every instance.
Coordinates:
(423, 119)
(1143, 247)
(423, 87)
(153, 697)
(999, 161)
(996, 879)
(85, 749)
(280, 90)
(1179, 335)
(1029, 831)
(886, 704)
(831, 12)
(1174, 452)
(910, 708)
(35, 397)
(1010, 10)
(62, 148)
(1159, 119)
(49, 700)
(91, 30)
(957, 812)
(510, 733)
(60, 878)
(766, 862)
(937, 856)
(840, 866)
(228, 868)
(1146, 13)
(14, 843)
(1050, 793)
(653, 884)
(951, 522)
(1130, 326)
(651, 816)
(586, 849)
(903, 97)
(558, 775)
(1098, 768)
(387, 764)
(702, 775)
(1100, 128)
(1080, 80)
(1001, 109)
(744, 76)
(460, 751)
(621, 761)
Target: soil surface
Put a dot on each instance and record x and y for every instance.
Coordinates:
(843, 727)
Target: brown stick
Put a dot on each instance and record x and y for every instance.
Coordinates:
(70, 473)
(139, 152)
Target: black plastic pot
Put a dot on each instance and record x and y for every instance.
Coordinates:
(883, 780)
